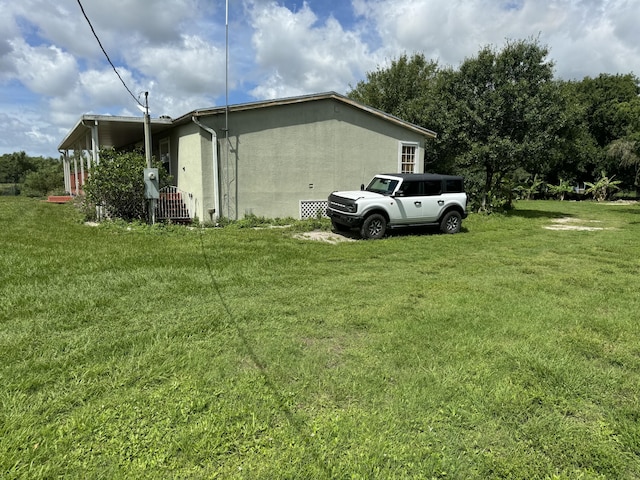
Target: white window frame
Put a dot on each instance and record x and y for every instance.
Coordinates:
(401, 156)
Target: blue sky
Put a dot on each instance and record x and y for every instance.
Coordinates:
(52, 70)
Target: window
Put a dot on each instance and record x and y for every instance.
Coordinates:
(411, 189)
(385, 186)
(408, 157)
(165, 156)
(432, 187)
(454, 185)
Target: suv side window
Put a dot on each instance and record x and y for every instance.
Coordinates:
(432, 187)
(453, 186)
(410, 189)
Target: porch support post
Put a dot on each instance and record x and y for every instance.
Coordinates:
(75, 173)
(67, 171)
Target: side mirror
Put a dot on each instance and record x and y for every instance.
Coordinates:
(362, 186)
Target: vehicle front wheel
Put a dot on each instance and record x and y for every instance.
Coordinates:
(373, 227)
(451, 222)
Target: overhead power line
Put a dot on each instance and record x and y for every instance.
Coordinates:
(106, 55)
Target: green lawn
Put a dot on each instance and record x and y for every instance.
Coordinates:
(506, 351)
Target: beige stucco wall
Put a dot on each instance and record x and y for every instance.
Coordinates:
(193, 174)
(279, 155)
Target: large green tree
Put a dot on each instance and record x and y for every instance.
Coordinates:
(499, 115)
(609, 108)
(404, 89)
(507, 116)
(611, 105)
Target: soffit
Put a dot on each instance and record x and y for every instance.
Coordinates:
(113, 132)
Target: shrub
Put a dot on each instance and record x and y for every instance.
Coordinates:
(47, 179)
(602, 189)
(117, 184)
(560, 190)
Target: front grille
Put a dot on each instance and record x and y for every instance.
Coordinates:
(341, 204)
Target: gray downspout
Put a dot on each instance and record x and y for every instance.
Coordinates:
(216, 181)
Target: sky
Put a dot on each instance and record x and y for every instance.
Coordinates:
(52, 69)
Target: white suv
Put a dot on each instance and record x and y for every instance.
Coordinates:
(400, 200)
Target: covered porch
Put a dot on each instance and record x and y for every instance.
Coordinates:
(80, 150)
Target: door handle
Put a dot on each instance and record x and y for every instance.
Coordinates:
(417, 204)
(440, 202)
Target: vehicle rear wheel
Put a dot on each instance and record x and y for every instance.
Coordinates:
(451, 222)
(373, 227)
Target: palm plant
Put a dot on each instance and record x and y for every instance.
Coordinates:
(528, 191)
(603, 187)
(560, 190)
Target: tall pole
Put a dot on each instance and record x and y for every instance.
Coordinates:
(226, 109)
(147, 130)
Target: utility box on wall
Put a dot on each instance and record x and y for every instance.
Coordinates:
(151, 183)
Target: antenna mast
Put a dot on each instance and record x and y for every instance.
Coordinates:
(226, 66)
(226, 103)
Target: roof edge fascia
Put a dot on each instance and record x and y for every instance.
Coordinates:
(302, 99)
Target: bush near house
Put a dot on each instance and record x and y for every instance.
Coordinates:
(117, 184)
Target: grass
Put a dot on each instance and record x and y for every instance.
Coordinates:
(506, 351)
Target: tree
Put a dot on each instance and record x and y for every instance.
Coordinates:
(48, 178)
(507, 114)
(403, 89)
(501, 116)
(17, 167)
(14, 167)
(117, 184)
(609, 101)
(627, 152)
(608, 108)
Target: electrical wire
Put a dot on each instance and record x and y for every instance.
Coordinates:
(106, 55)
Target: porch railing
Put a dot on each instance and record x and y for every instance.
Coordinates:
(174, 205)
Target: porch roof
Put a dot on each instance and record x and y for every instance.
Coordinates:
(113, 131)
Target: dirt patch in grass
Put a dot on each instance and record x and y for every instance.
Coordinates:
(621, 202)
(324, 236)
(569, 223)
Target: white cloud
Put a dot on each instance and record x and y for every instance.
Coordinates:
(120, 24)
(298, 55)
(26, 131)
(192, 66)
(46, 70)
(103, 88)
(585, 37)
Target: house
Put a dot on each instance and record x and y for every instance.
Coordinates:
(275, 158)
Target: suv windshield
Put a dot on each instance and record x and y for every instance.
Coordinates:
(385, 186)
